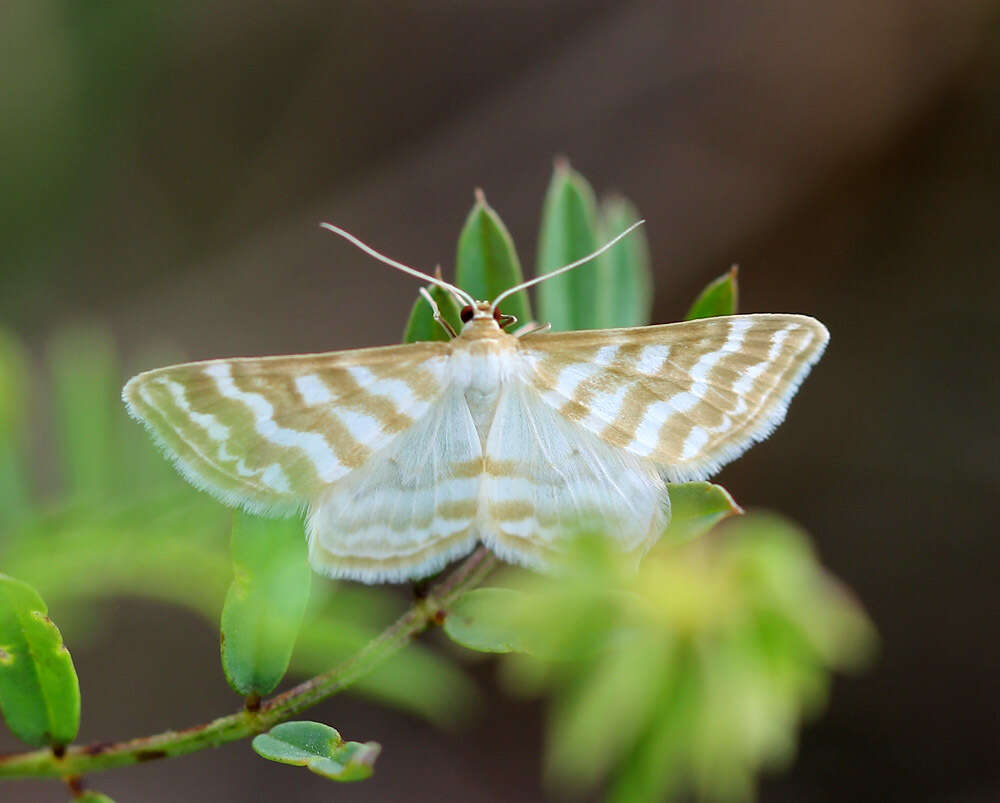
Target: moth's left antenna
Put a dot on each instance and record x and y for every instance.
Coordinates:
(392, 263)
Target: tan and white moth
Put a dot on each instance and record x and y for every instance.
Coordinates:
(406, 457)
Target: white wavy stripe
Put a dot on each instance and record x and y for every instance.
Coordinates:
(312, 444)
(275, 507)
(778, 408)
(425, 567)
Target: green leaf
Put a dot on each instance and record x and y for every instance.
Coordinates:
(720, 297)
(695, 508)
(319, 748)
(485, 619)
(265, 603)
(577, 299)
(85, 379)
(39, 690)
(13, 387)
(487, 262)
(628, 268)
(13, 424)
(421, 325)
(92, 797)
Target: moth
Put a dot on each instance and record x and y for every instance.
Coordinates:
(406, 457)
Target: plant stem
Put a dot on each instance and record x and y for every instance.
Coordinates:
(79, 760)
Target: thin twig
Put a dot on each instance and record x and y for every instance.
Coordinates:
(80, 760)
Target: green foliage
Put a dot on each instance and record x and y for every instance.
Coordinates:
(693, 672)
(482, 620)
(93, 797)
(421, 326)
(696, 507)
(720, 297)
(319, 748)
(149, 534)
(487, 262)
(613, 290)
(39, 690)
(86, 411)
(13, 413)
(629, 277)
(265, 603)
(577, 299)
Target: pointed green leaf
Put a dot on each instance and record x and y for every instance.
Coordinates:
(696, 507)
(319, 748)
(265, 603)
(39, 690)
(487, 262)
(577, 299)
(720, 297)
(631, 279)
(484, 619)
(92, 797)
(421, 326)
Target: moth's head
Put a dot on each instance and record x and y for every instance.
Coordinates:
(485, 311)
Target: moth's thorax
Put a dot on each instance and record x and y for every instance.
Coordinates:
(483, 358)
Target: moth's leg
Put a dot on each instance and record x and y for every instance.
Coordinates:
(437, 313)
(532, 328)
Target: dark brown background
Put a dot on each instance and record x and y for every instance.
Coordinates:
(166, 170)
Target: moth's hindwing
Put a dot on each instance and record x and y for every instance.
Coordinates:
(546, 478)
(411, 509)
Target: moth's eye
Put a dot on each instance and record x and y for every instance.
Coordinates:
(466, 313)
(496, 314)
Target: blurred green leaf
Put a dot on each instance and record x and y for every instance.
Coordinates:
(487, 262)
(265, 603)
(485, 619)
(692, 674)
(580, 298)
(421, 326)
(319, 748)
(39, 690)
(600, 717)
(14, 380)
(720, 297)
(13, 388)
(92, 797)
(342, 618)
(84, 383)
(696, 507)
(654, 769)
(630, 278)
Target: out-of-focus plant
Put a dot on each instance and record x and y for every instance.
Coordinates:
(691, 673)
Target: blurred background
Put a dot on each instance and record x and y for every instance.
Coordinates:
(163, 171)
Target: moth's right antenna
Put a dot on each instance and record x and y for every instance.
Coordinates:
(565, 268)
(392, 263)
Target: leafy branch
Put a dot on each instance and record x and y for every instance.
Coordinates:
(79, 760)
(688, 674)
